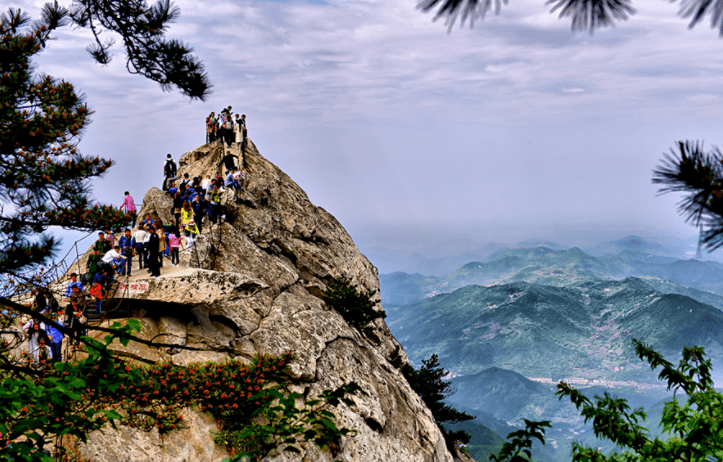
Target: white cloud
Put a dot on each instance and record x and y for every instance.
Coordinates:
(383, 117)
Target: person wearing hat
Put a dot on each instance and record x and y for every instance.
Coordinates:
(102, 243)
(191, 232)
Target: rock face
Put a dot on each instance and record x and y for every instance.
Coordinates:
(252, 285)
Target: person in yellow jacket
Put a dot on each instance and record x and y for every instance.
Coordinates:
(186, 214)
(191, 230)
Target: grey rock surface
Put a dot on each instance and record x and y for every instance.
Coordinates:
(252, 285)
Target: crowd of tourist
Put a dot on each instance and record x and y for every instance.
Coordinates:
(197, 202)
(223, 128)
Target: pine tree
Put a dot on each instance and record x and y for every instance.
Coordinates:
(43, 175)
(584, 14)
(699, 174)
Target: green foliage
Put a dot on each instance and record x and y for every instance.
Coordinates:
(428, 382)
(255, 415)
(699, 174)
(43, 176)
(696, 433)
(518, 448)
(66, 399)
(356, 307)
(584, 14)
(280, 425)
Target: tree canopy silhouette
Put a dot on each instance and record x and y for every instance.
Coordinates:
(699, 174)
(584, 14)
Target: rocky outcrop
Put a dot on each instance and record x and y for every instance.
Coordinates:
(252, 285)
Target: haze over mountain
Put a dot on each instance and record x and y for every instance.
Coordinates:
(567, 267)
(510, 325)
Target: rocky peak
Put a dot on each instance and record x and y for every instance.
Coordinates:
(253, 285)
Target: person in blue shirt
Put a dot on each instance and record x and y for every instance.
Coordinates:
(200, 206)
(73, 282)
(230, 181)
(127, 244)
(56, 339)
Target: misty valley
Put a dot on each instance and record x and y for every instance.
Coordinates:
(510, 326)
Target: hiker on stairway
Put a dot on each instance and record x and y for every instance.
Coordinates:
(75, 320)
(96, 291)
(177, 206)
(228, 123)
(174, 241)
(186, 213)
(56, 338)
(199, 211)
(162, 244)
(37, 340)
(74, 282)
(110, 257)
(102, 243)
(215, 201)
(192, 232)
(231, 181)
(92, 265)
(228, 162)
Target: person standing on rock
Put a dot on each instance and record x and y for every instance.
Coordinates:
(130, 206)
(199, 211)
(242, 122)
(169, 169)
(174, 241)
(153, 253)
(92, 265)
(191, 233)
(215, 200)
(228, 162)
(140, 236)
(127, 244)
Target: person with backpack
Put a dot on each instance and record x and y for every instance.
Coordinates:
(169, 170)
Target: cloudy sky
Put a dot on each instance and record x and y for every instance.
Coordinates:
(419, 140)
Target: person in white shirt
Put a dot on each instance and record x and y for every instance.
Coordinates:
(141, 236)
(112, 254)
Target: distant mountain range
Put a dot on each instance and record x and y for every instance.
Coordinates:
(570, 267)
(509, 326)
(439, 257)
(555, 332)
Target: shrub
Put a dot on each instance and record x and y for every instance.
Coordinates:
(357, 308)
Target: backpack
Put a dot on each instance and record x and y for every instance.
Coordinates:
(170, 168)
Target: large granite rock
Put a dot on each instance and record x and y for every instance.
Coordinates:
(252, 285)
